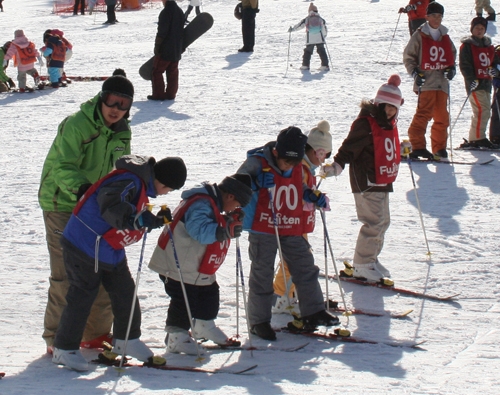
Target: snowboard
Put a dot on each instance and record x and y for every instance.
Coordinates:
(195, 29)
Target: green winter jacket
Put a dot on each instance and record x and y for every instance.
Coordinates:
(83, 151)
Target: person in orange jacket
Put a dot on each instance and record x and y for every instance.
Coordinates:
(416, 10)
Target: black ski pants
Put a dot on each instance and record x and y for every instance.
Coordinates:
(84, 285)
(248, 27)
(308, 51)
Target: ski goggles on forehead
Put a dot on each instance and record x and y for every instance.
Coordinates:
(321, 154)
(119, 100)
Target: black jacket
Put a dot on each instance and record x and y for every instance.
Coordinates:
(168, 43)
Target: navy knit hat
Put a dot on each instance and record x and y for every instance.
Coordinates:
(171, 172)
(435, 8)
(291, 143)
(238, 185)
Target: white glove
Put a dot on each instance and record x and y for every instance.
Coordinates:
(406, 148)
(328, 170)
(493, 72)
(474, 84)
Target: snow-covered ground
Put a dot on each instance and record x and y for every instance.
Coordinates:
(229, 103)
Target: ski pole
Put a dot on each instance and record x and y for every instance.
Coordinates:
(237, 300)
(418, 205)
(396, 28)
(134, 298)
(184, 293)
(328, 53)
(240, 265)
(460, 112)
(278, 242)
(288, 52)
(325, 231)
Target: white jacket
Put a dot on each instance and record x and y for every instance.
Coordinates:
(316, 30)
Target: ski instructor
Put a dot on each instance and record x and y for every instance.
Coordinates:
(168, 51)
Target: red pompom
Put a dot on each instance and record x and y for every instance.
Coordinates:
(394, 80)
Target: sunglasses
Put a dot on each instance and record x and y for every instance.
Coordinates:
(119, 100)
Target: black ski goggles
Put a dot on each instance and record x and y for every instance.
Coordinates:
(119, 100)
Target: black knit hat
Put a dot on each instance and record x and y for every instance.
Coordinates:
(479, 20)
(435, 8)
(171, 172)
(238, 185)
(291, 143)
(118, 84)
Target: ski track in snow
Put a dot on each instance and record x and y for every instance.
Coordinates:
(229, 103)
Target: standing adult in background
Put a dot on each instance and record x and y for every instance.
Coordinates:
(86, 147)
(485, 5)
(192, 4)
(110, 12)
(416, 10)
(82, 7)
(249, 9)
(1, 5)
(168, 51)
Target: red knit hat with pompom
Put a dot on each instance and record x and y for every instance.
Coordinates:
(389, 93)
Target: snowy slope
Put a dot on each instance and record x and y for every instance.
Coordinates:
(228, 103)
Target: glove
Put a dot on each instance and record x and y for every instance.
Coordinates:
(474, 84)
(450, 72)
(11, 83)
(328, 170)
(418, 76)
(402, 10)
(81, 191)
(166, 214)
(147, 220)
(493, 72)
(233, 228)
(290, 29)
(265, 180)
(316, 197)
(406, 148)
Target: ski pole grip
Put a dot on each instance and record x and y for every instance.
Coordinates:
(165, 207)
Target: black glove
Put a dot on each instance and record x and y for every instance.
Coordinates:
(450, 72)
(146, 220)
(418, 76)
(166, 214)
(11, 83)
(81, 191)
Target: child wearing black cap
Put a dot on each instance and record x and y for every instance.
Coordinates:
(111, 215)
(277, 175)
(429, 57)
(85, 149)
(478, 65)
(204, 222)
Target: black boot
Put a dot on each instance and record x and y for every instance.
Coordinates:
(491, 17)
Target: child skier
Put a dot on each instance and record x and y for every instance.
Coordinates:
(316, 32)
(192, 3)
(318, 148)
(416, 10)
(372, 150)
(69, 49)
(24, 54)
(478, 65)
(278, 191)
(204, 222)
(55, 52)
(431, 74)
(6, 82)
(109, 216)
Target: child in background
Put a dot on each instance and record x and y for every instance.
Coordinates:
(6, 82)
(24, 54)
(204, 222)
(318, 148)
(277, 172)
(69, 49)
(316, 32)
(55, 52)
(192, 3)
(478, 65)
(416, 10)
(110, 216)
(372, 150)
